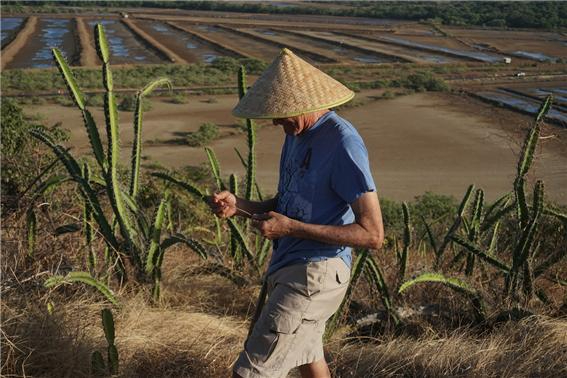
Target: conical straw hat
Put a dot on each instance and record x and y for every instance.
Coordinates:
(289, 87)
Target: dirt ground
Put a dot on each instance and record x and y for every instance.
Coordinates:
(417, 143)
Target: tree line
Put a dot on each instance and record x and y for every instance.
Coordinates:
(517, 14)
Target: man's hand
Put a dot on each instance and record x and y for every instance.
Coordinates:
(273, 225)
(223, 204)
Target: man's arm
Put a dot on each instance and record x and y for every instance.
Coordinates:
(225, 204)
(367, 231)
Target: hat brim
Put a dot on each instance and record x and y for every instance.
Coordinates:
(341, 101)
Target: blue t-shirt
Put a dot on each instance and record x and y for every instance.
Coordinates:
(322, 171)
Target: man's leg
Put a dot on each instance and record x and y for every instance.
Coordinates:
(317, 369)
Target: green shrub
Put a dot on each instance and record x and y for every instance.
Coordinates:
(422, 81)
(179, 98)
(206, 133)
(22, 160)
(128, 104)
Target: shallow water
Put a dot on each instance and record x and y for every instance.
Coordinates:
(125, 47)
(489, 58)
(524, 104)
(534, 56)
(117, 46)
(52, 35)
(202, 51)
(8, 25)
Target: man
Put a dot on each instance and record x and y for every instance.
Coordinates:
(326, 203)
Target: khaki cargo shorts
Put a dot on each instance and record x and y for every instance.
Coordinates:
(289, 331)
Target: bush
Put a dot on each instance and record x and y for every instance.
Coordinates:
(128, 104)
(423, 81)
(179, 99)
(206, 133)
(22, 160)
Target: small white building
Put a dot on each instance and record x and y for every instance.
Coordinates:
(507, 60)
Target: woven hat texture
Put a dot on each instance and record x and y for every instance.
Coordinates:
(289, 87)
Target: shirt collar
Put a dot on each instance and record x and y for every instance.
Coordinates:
(319, 122)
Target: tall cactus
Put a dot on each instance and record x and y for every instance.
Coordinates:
(403, 256)
(87, 224)
(251, 136)
(525, 162)
(126, 215)
(113, 186)
(97, 362)
(455, 226)
(474, 228)
(234, 243)
(136, 156)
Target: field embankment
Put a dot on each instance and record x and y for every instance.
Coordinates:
(21, 39)
(155, 44)
(88, 53)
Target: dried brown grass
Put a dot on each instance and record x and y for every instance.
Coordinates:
(151, 341)
(533, 347)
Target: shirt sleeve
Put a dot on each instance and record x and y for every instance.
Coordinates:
(351, 176)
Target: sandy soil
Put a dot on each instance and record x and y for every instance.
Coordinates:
(89, 56)
(417, 143)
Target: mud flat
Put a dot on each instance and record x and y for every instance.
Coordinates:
(157, 46)
(49, 33)
(538, 46)
(190, 48)
(202, 34)
(125, 47)
(524, 104)
(417, 143)
(376, 47)
(236, 42)
(10, 27)
(335, 51)
(307, 53)
(22, 39)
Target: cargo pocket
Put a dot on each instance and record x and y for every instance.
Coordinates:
(271, 348)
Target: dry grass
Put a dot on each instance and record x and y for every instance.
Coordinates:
(198, 327)
(533, 347)
(151, 341)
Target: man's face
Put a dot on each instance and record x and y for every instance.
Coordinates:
(291, 125)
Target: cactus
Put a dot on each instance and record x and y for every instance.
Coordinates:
(474, 228)
(251, 137)
(454, 226)
(87, 224)
(98, 365)
(31, 225)
(455, 284)
(85, 278)
(377, 279)
(155, 233)
(215, 168)
(126, 216)
(234, 245)
(137, 145)
(403, 257)
(357, 269)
